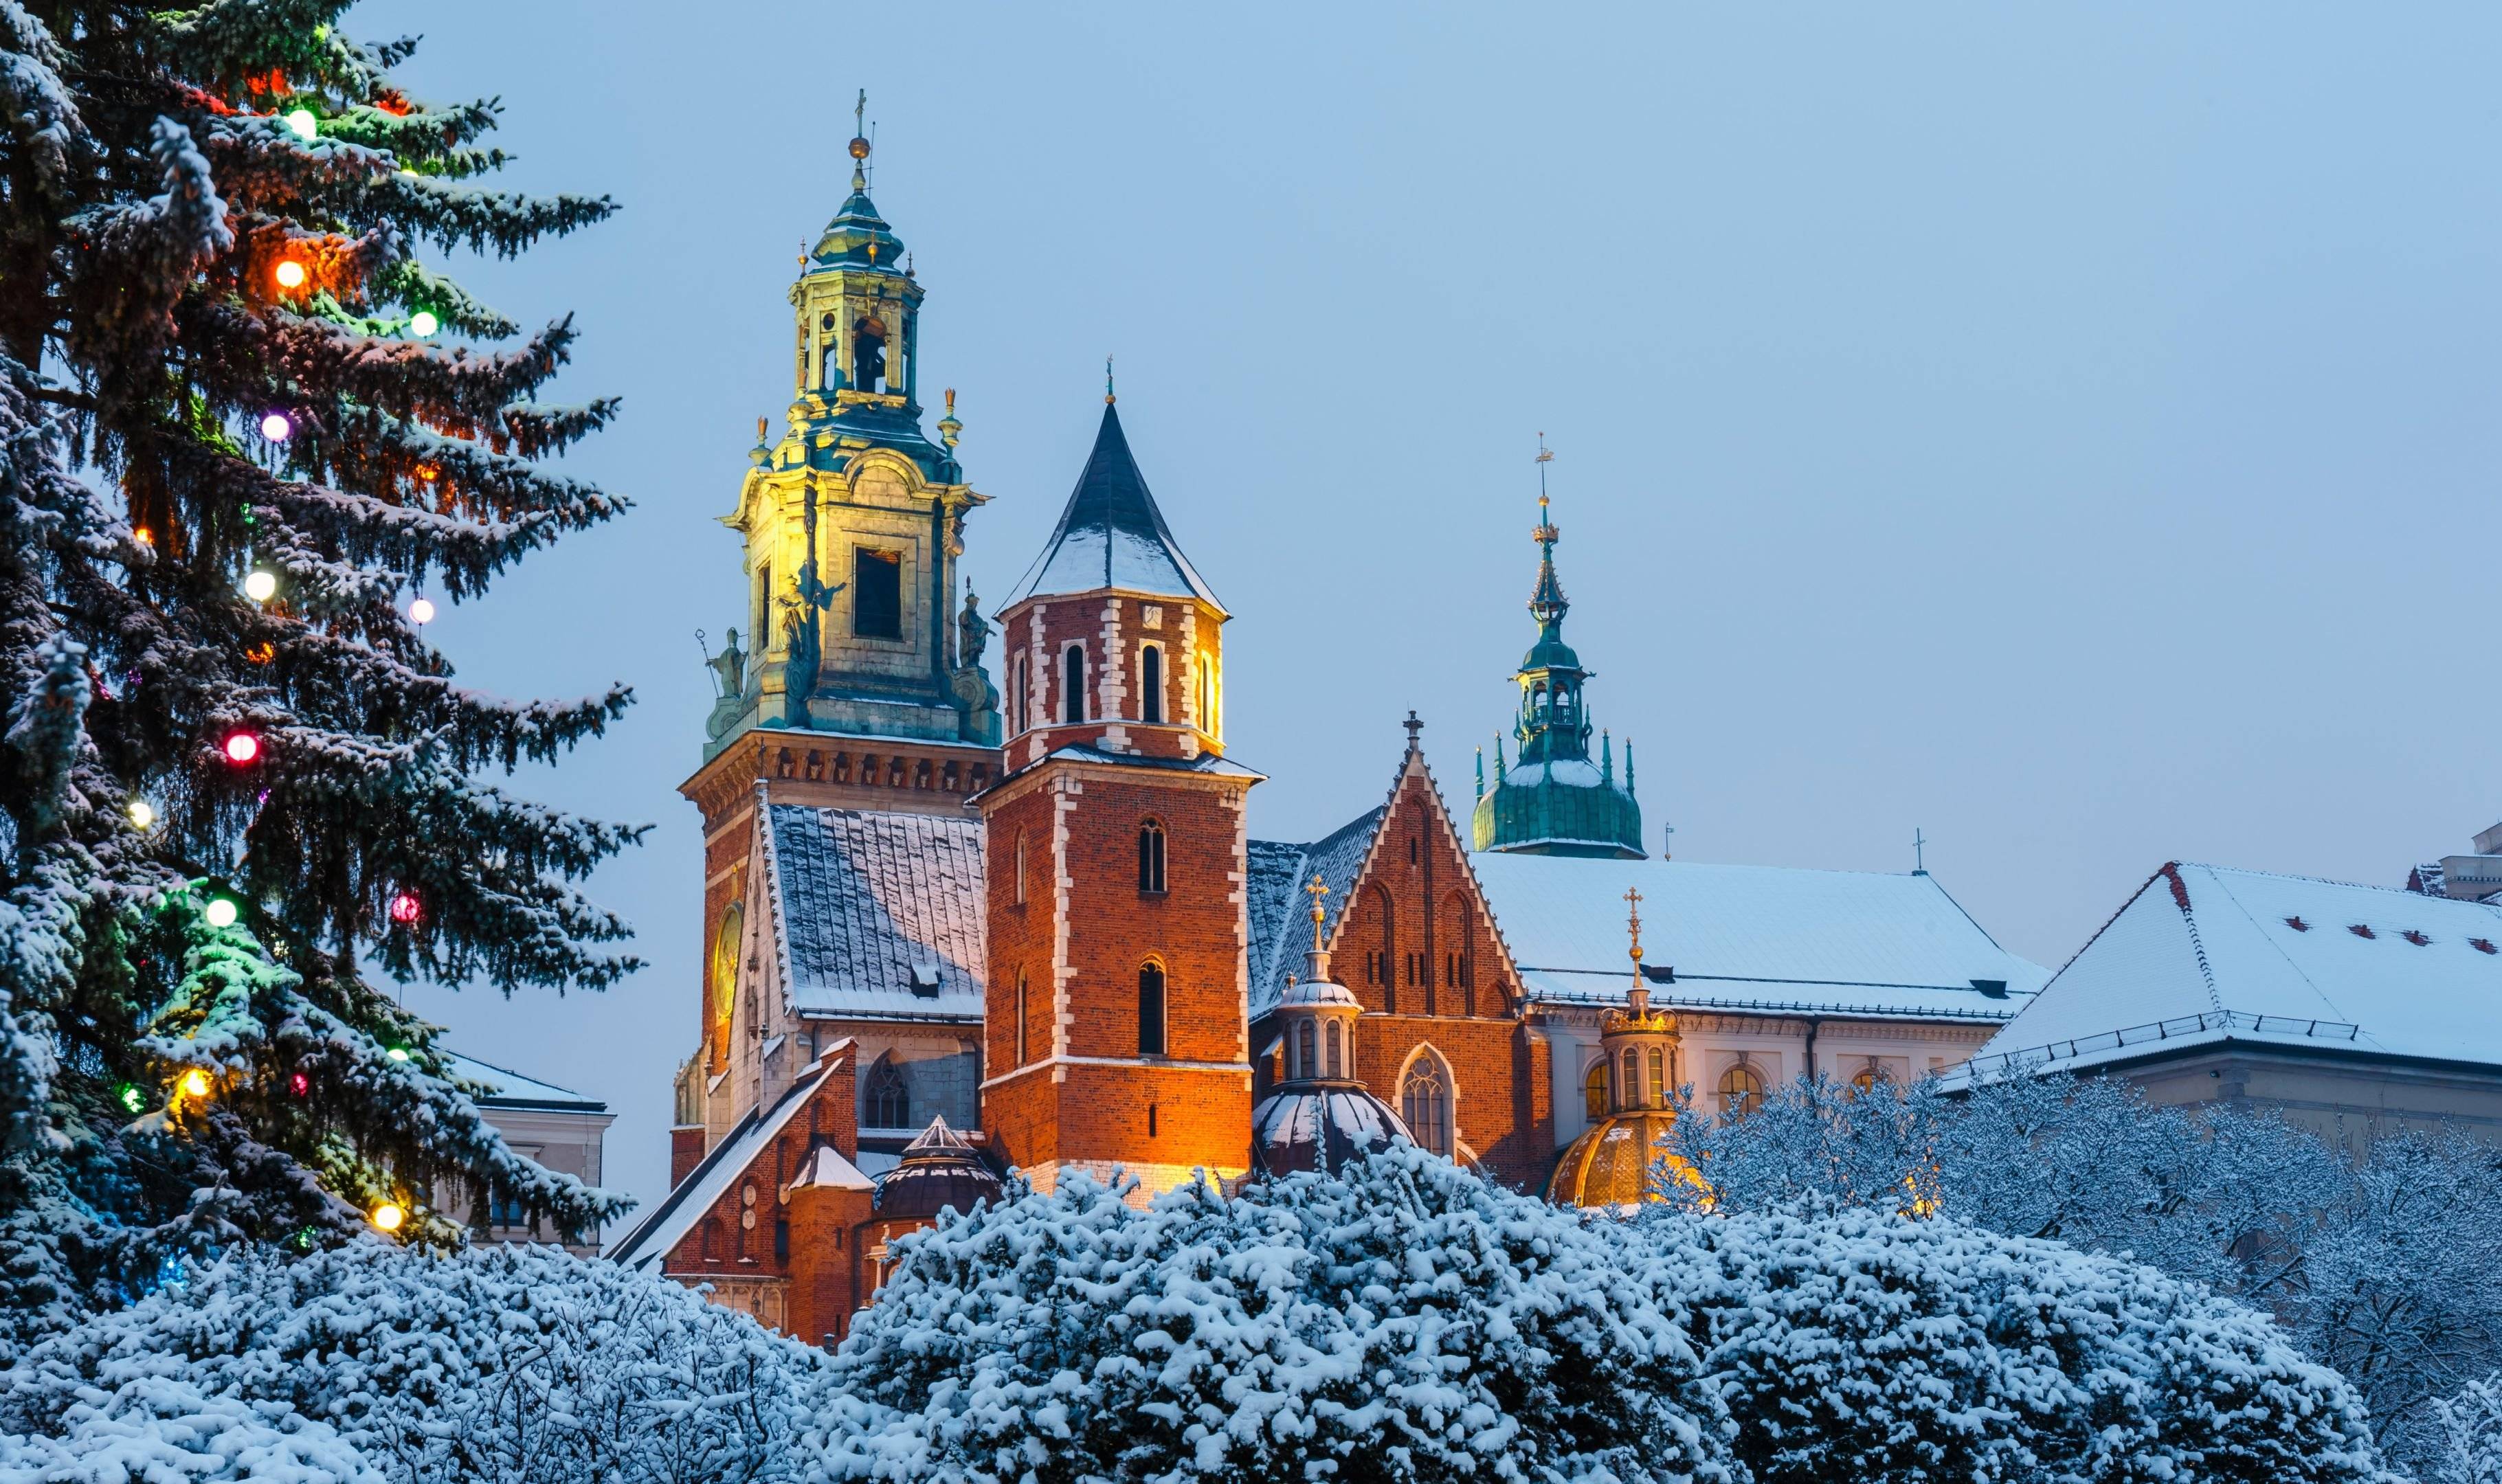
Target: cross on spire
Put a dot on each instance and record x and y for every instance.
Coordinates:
(1316, 891)
(1632, 919)
(1108, 398)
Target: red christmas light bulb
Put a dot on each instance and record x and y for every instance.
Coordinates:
(403, 908)
(241, 747)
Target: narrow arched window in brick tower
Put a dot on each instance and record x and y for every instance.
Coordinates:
(1151, 857)
(1151, 684)
(1020, 1008)
(1151, 1009)
(1073, 703)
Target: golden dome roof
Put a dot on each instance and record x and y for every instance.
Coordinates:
(1609, 1167)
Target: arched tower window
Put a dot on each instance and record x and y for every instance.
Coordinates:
(1594, 1092)
(1629, 1077)
(1658, 1083)
(1073, 672)
(1151, 857)
(1337, 1061)
(1020, 1011)
(1304, 1062)
(1151, 684)
(1019, 887)
(1425, 1102)
(725, 958)
(1387, 954)
(1151, 1009)
(1741, 1089)
(1019, 678)
(889, 1102)
(868, 354)
(1872, 1077)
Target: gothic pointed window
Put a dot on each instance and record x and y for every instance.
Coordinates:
(1018, 716)
(1381, 910)
(1742, 1090)
(888, 1103)
(1594, 1092)
(1072, 702)
(1020, 868)
(877, 594)
(1151, 684)
(1151, 1010)
(1306, 1064)
(1425, 1102)
(1151, 857)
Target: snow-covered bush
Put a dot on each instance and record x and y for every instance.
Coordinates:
(372, 1363)
(1398, 1320)
(1876, 1347)
(2463, 1445)
(2379, 1266)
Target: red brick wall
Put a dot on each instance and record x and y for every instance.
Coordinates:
(823, 1272)
(1081, 621)
(1193, 930)
(685, 1152)
(1445, 981)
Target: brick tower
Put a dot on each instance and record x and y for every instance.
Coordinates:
(1116, 1031)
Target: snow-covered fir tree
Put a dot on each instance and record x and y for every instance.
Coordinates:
(244, 428)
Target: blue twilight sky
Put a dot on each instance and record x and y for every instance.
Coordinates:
(2067, 429)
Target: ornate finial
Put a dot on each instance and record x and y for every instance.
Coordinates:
(1413, 727)
(1633, 920)
(1108, 398)
(1316, 891)
(859, 142)
(949, 429)
(760, 427)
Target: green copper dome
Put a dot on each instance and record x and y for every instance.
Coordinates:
(1554, 801)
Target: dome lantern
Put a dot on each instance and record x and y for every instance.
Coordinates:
(1319, 1114)
(1617, 1165)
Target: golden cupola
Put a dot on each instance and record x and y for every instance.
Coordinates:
(1610, 1166)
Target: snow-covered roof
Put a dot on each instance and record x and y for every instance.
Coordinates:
(877, 916)
(1752, 937)
(655, 1236)
(2205, 955)
(1281, 920)
(1111, 534)
(512, 1090)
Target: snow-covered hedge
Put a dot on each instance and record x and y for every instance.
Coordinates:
(1404, 1321)
(1399, 1319)
(373, 1362)
(1875, 1347)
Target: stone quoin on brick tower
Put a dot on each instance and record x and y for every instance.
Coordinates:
(1115, 1033)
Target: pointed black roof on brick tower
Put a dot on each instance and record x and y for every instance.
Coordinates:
(1112, 535)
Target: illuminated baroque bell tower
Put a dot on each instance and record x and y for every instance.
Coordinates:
(854, 520)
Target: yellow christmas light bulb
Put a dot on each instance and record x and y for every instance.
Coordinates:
(141, 813)
(388, 1216)
(290, 274)
(195, 1083)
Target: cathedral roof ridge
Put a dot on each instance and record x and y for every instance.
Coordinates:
(1111, 534)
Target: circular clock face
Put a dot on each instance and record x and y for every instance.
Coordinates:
(725, 958)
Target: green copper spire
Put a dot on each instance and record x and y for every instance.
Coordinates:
(1554, 801)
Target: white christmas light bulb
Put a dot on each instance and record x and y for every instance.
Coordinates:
(421, 611)
(261, 586)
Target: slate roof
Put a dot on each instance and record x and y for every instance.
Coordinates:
(1281, 914)
(2204, 954)
(649, 1242)
(862, 899)
(1111, 534)
(1772, 938)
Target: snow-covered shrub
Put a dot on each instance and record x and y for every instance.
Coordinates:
(2378, 1266)
(1876, 1347)
(1397, 1320)
(374, 1363)
(2463, 1444)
